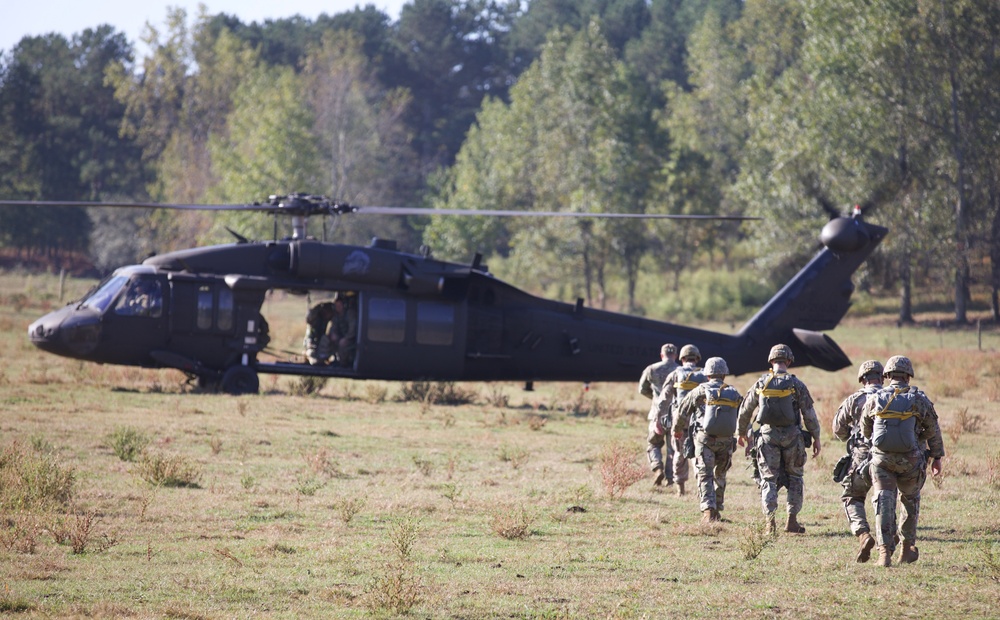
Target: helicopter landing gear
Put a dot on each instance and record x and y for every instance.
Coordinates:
(240, 380)
(207, 383)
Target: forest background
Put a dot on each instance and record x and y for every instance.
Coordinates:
(788, 111)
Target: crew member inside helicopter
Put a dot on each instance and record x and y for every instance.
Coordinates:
(144, 298)
(332, 331)
(344, 328)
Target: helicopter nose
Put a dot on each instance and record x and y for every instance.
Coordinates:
(66, 332)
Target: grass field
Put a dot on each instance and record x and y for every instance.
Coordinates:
(354, 503)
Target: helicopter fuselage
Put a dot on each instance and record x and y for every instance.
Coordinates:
(418, 318)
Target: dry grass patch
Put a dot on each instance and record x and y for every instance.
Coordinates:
(619, 468)
(32, 479)
(753, 538)
(511, 523)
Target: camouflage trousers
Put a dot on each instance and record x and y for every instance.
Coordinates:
(781, 458)
(857, 483)
(903, 475)
(655, 442)
(713, 456)
(682, 469)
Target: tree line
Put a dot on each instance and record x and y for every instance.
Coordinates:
(785, 110)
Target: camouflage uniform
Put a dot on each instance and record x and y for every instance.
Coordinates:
(899, 420)
(677, 384)
(713, 440)
(344, 331)
(857, 481)
(316, 343)
(650, 385)
(781, 452)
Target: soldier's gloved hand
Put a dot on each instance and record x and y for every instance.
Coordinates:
(678, 434)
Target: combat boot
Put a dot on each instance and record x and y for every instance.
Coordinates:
(771, 528)
(867, 543)
(909, 554)
(792, 525)
(659, 477)
(715, 515)
(707, 516)
(884, 557)
(680, 488)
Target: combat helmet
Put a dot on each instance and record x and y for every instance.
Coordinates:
(898, 363)
(716, 366)
(869, 367)
(689, 350)
(780, 352)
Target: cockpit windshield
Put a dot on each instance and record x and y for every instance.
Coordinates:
(105, 293)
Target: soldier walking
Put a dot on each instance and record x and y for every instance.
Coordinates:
(650, 386)
(853, 472)
(900, 420)
(711, 411)
(677, 385)
(781, 403)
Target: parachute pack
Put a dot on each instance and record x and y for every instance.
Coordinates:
(776, 400)
(895, 426)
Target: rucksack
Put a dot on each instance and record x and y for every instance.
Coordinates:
(895, 426)
(721, 410)
(777, 400)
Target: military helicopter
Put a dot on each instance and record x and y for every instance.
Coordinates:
(418, 318)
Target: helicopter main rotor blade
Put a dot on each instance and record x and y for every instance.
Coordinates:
(316, 205)
(133, 205)
(505, 213)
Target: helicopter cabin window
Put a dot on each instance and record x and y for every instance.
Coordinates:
(204, 314)
(386, 320)
(226, 310)
(144, 297)
(435, 323)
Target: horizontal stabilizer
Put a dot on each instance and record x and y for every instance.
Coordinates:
(820, 351)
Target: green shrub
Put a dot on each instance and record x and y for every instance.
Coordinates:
(127, 442)
(168, 471)
(30, 479)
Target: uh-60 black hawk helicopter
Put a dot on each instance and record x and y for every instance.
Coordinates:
(199, 311)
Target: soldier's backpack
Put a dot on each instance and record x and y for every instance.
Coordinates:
(776, 400)
(687, 380)
(895, 425)
(721, 411)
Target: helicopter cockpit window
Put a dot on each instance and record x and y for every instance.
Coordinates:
(435, 323)
(386, 320)
(101, 298)
(144, 297)
(225, 308)
(204, 314)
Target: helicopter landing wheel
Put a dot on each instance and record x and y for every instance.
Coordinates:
(240, 380)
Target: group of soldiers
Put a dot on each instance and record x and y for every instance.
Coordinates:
(891, 432)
